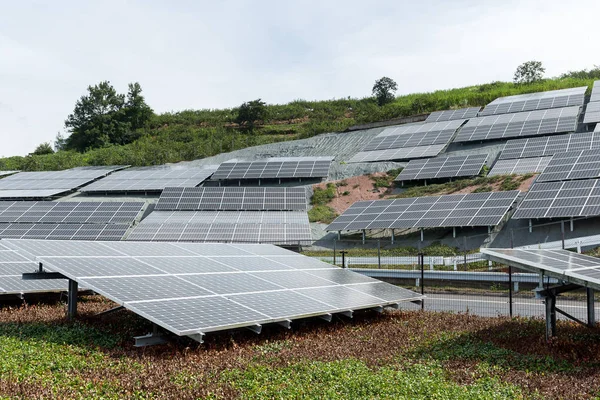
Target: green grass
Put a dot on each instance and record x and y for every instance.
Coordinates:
(324, 214)
(321, 197)
(434, 249)
(483, 183)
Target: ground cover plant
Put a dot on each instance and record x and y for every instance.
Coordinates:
(399, 355)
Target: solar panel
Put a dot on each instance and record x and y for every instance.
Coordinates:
(592, 113)
(595, 92)
(405, 153)
(257, 289)
(280, 227)
(448, 115)
(232, 198)
(520, 166)
(275, 168)
(63, 231)
(561, 199)
(564, 264)
(474, 209)
(550, 145)
(583, 164)
(12, 267)
(409, 140)
(421, 128)
(150, 179)
(5, 173)
(530, 123)
(597, 128)
(69, 212)
(443, 167)
(536, 101)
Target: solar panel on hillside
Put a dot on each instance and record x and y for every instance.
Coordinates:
(12, 267)
(449, 115)
(69, 212)
(561, 199)
(592, 113)
(275, 168)
(421, 128)
(405, 153)
(281, 227)
(43, 184)
(5, 173)
(550, 145)
(213, 287)
(232, 198)
(531, 123)
(443, 167)
(520, 166)
(572, 165)
(150, 179)
(63, 231)
(597, 128)
(474, 209)
(595, 92)
(536, 101)
(409, 140)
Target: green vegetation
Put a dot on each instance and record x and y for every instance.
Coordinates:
(321, 197)
(321, 213)
(152, 139)
(384, 89)
(434, 249)
(386, 180)
(43, 148)
(529, 72)
(251, 112)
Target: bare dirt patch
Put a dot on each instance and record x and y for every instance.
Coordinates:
(358, 187)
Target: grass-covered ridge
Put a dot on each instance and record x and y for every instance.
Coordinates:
(193, 134)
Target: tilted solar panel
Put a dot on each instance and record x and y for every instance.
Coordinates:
(443, 167)
(592, 113)
(69, 212)
(405, 153)
(448, 115)
(520, 166)
(536, 101)
(583, 164)
(275, 168)
(595, 92)
(550, 145)
(63, 231)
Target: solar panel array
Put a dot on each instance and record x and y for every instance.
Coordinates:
(561, 199)
(232, 198)
(520, 166)
(150, 179)
(279, 227)
(536, 101)
(595, 92)
(4, 173)
(443, 167)
(192, 289)
(531, 123)
(592, 113)
(475, 209)
(69, 212)
(12, 267)
(409, 140)
(448, 115)
(597, 128)
(421, 128)
(405, 153)
(44, 184)
(566, 264)
(63, 231)
(275, 168)
(572, 165)
(550, 145)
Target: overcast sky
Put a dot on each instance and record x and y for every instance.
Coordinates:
(201, 54)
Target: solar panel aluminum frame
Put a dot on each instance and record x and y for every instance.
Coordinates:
(449, 115)
(443, 167)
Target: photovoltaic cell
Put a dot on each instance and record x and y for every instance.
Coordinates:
(536, 101)
(531, 123)
(595, 92)
(63, 231)
(592, 113)
(5, 173)
(443, 167)
(275, 168)
(69, 212)
(520, 166)
(561, 199)
(475, 209)
(405, 153)
(430, 134)
(448, 115)
(12, 267)
(421, 128)
(232, 198)
(550, 145)
(572, 165)
(200, 301)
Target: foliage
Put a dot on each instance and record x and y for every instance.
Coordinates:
(384, 89)
(250, 112)
(593, 73)
(104, 117)
(321, 197)
(529, 72)
(321, 213)
(507, 182)
(43, 148)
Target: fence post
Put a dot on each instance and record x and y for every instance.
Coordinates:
(510, 292)
(512, 239)
(465, 250)
(422, 264)
(343, 253)
(379, 254)
(334, 252)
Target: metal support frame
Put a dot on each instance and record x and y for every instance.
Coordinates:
(454, 232)
(364, 236)
(255, 328)
(530, 226)
(343, 253)
(422, 281)
(421, 234)
(549, 295)
(287, 324)
(72, 299)
(326, 317)
(393, 236)
(591, 313)
(156, 337)
(110, 311)
(572, 227)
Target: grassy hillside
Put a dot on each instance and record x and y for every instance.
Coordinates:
(193, 134)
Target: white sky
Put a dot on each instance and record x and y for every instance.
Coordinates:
(200, 54)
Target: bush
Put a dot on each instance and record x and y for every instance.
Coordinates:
(323, 196)
(324, 214)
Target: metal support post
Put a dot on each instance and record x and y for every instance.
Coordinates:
(454, 232)
(530, 226)
(364, 235)
(562, 233)
(334, 252)
(421, 234)
(571, 224)
(591, 315)
(393, 236)
(550, 317)
(489, 229)
(422, 262)
(512, 239)
(343, 253)
(510, 292)
(379, 254)
(339, 235)
(72, 299)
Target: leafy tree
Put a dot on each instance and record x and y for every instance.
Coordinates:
(250, 112)
(59, 142)
(384, 90)
(44, 148)
(104, 117)
(593, 73)
(529, 72)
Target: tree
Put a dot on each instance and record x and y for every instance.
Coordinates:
(529, 72)
(43, 148)
(59, 142)
(384, 90)
(104, 117)
(250, 112)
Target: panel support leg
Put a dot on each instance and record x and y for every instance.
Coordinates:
(571, 224)
(454, 232)
(550, 317)
(591, 314)
(339, 235)
(530, 226)
(393, 236)
(421, 234)
(489, 230)
(364, 236)
(72, 299)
